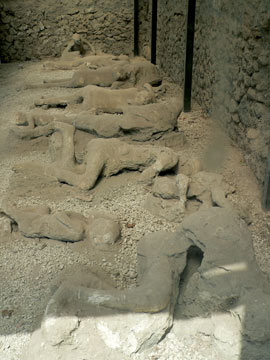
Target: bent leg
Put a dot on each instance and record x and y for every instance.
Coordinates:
(95, 160)
(152, 295)
(166, 159)
(32, 125)
(64, 169)
(67, 157)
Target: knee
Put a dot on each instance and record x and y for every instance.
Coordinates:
(96, 144)
(166, 159)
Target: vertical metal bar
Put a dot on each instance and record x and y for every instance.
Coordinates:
(136, 28)
(189, 54)
(154, 32)
(266, 189)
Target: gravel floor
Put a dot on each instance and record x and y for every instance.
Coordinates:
(29, 268)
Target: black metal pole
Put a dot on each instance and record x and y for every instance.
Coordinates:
(136, 28)
(266, 189)
(154, 32)
(189, 54)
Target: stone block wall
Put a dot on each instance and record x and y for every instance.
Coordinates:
(144, 25)
(232, 70)
(170, 34)
(231, 65)
(171, 38)
(32, 29)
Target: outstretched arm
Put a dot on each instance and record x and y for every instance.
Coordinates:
(50, 83)
(91, 47)
(68, 52)
(32, 133)
(166, 159)
(62, 64)
(60, 101)
(32, 125)
(36, 124)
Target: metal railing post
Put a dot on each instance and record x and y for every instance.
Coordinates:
(266, 188)
(136, 28)
(154, 32)
(189, 54)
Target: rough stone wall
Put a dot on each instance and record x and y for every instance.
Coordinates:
(231, 65)
(204, 57)
(144, 25)
(171, 38)
(232, 69)
(170, 35)
(35, 29)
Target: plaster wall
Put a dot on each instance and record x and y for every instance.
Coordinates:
(35, 29)
(232, 72)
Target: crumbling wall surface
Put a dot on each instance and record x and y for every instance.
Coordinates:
(232, 72)
(144, 26)
(204, 56)
(171, 38)
(35, 29)
(171, 34)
